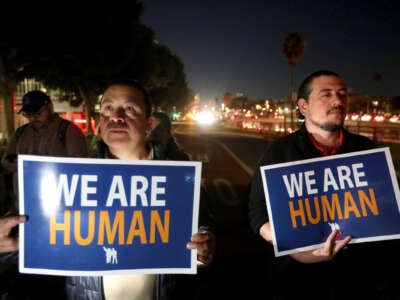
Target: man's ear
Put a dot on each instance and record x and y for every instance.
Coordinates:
(149, 125)
(50, 105)
(302, 104)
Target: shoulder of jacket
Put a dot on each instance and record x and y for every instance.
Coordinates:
(20, 130)
(158, 150)
(62, 129)
(64, 124)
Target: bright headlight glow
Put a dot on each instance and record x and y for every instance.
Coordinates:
(205, 117)
(50, 198)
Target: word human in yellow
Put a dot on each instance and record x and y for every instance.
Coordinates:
(325, 209)
(111, 229)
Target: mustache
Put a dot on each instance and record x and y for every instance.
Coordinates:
(336, 108)
(117, 125)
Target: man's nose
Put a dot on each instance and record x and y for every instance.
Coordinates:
(117, 114)
(339, 98)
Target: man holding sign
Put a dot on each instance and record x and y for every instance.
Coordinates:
(124, 124)
(338, 269)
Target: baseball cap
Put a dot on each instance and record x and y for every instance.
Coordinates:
(33, 101)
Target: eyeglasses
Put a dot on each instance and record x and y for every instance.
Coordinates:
(36, 114)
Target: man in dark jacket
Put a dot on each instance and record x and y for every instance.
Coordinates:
(124, 125)
(337, 270)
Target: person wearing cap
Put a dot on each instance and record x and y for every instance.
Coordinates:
(40, 136)
(124, 125)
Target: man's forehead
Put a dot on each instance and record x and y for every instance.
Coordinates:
(328, 83)
(122, 94)
(325, 79)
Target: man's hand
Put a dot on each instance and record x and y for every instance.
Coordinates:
(325, 253)
(266, 232)
(8, 243)
(204, 242)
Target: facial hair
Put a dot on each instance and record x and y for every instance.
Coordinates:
(327, 126)
(116, 125)
(330, 126)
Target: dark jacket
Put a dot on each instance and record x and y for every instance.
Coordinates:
(295, 146)
(171, 151)
(91, 287)
(359, 272)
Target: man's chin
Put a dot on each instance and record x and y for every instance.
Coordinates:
(116, 141)
(37, 125)
(331, 127)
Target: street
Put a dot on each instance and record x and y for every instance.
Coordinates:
(228, 162)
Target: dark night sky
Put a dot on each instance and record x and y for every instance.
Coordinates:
(236, 46)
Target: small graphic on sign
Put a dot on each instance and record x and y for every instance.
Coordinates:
(335, 226)
(111, 255)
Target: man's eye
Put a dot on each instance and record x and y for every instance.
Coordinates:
(131, 110)
(106, 108)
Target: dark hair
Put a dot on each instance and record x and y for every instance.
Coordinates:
(305, 87)
(134, 84)
(164, 118)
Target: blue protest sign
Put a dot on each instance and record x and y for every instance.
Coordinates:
(105, 216)
(356, 193)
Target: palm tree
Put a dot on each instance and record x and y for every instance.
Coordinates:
(293, 48)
